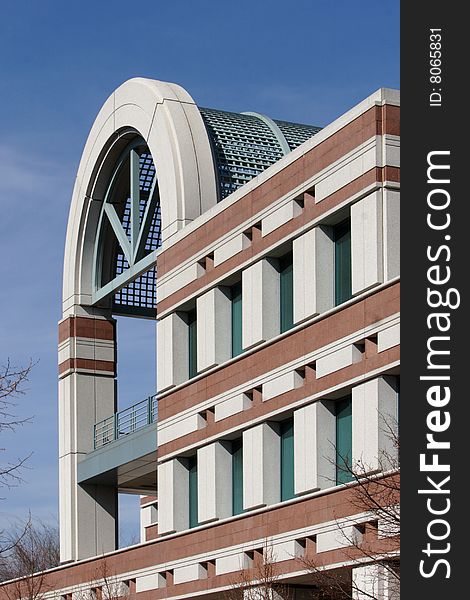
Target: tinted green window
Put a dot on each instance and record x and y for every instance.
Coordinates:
(342, 237)
(287, 292)
(192, 469)
(192, 340)
(343, 440)
(236, 295)
(287, 460)
(237, 477)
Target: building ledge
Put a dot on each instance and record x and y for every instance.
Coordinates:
(129, 463)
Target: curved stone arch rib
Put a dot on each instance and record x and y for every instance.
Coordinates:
(168, 120)
(274, 128)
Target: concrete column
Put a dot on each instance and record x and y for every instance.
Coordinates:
(314, 447)
(214, 343)
(261, 468)
(173, 495)
(87, 369)
(389, 584)
(391, 233)
(374, 424)
(172, 351)
(374, 581)
(366, 243)
(260, 303)
(313, 260)
(148, 517)
(214, 482)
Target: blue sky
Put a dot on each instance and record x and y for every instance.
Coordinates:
(306, 61)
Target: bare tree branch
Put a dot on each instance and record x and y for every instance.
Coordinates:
(375, 490)
(33, 547)
(260, 581)
(105, 585)
(12, 385)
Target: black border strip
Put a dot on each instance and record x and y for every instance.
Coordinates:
(434, 568)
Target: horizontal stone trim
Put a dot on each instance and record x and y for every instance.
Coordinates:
(240, 398)
(368, 367)
(323, 331)
(231, 406)
(147, 582)
(340, 173)
(338, 537)
(282, 215)
(189, 573)
(388, 338)
(180, 428)
(378, 120)
(86, 327)
(179, 280)
(391, 150)
(309, 216)
(86, 364)
(286, 551)
(229, 248)
(232, 563)
(281, 384)
(94, 349)
(338, 359)
(306, 516)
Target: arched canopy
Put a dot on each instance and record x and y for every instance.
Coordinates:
(166, 119)
(197, 157)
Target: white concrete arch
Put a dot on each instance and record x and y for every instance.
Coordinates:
(167, 118)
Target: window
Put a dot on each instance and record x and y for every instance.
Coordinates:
(343, 410)
(236, 299)
(193, 507)
(287, 460)
(342, 240)
(237, 477)
(192, 341)
(286, 285)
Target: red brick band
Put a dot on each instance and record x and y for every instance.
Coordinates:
(378, 120)
(334, 504)
(322, 332)
(86, 327)
(311, 212)
(260, 408)
(87, 364)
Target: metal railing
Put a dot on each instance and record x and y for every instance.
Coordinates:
(125, 422)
